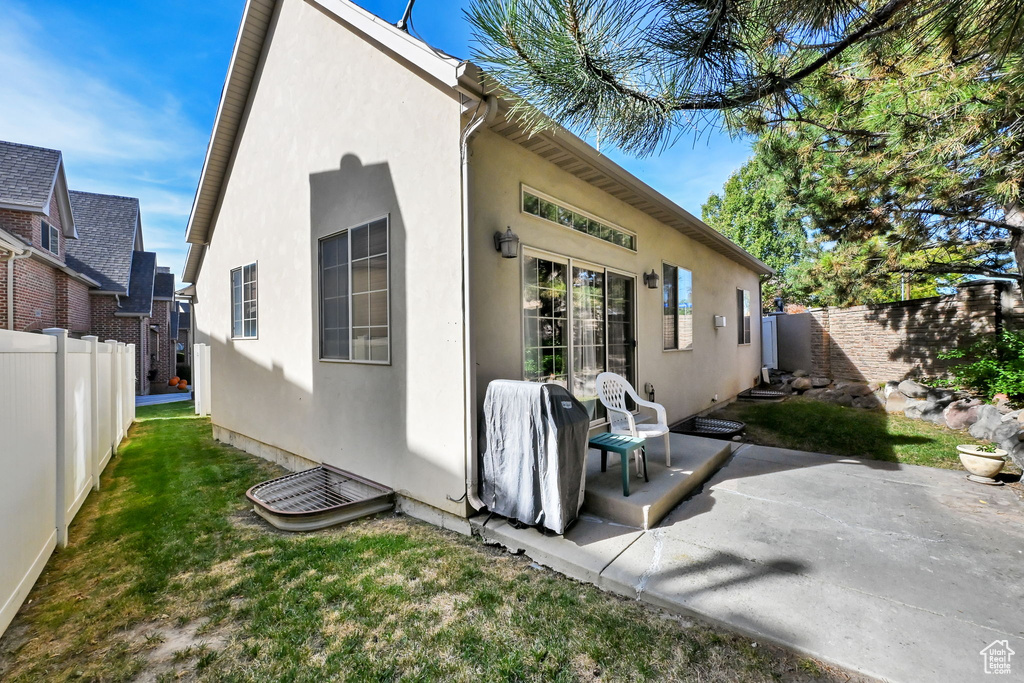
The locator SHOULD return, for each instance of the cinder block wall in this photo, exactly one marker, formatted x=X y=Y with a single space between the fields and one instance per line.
x=904 y=339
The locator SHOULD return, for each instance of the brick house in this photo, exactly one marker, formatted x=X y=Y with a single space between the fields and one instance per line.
x=38 y=288
x=110 y=250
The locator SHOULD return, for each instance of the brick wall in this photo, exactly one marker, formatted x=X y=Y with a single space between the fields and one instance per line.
x=163 y=354
x=904 y=339
x=73 y=304
x=35 y=295
x=106 y=325
x=20 y=223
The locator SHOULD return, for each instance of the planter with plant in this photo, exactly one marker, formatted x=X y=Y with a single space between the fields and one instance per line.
x=983 y=462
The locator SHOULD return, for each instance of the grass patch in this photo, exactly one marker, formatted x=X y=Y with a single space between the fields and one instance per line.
x=170 y=574
x=807 y=425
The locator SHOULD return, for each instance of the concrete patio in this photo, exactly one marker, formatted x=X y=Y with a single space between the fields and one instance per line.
x=895 y=571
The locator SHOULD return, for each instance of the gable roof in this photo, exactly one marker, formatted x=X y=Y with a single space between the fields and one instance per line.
x=28 y=177
x=106 y=238
x=163 y=287
x=140 y=291
x=558 y=146
x=185 y=317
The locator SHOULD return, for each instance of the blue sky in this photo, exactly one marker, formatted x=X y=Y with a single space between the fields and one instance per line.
x=128 y=91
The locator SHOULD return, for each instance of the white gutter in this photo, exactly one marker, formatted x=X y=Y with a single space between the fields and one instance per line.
x=490 y=103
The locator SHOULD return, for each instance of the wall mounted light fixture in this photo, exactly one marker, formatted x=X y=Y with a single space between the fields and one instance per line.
x=507 y=243
x=651 y=279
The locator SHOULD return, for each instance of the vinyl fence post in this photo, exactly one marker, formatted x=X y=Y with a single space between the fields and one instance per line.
x=129 y=385
x=207 y=389
x=197 y=378
x=61 y=432
x=94 y=417
x=115 y=397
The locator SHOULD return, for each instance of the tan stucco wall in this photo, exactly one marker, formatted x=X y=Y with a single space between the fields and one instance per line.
x=685 y=381
x=338 y=134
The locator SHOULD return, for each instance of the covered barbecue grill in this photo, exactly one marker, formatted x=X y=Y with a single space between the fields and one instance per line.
x=533 y=453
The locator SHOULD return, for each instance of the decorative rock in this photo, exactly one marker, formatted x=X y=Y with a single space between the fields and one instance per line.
x=858 y=390
x=820 y=381
x=961 y=414
x=800 y=373
x=1020 y=418
x=814 y=393
x=896 y=403
x=869 y=402
x=912 y=389
x=1015 y=415
x=802 y=384
x=890 y=388
x=991 y=427
x=843 y=399
x=1017 y=454
x=939 y=394
x=924 y=410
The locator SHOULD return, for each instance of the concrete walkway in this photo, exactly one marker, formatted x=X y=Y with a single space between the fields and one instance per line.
x=156 y=399
x=899 y=572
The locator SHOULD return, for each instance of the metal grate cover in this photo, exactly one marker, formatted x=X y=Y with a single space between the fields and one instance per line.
x=759 y=394
x=709 y=426
x=317 y=498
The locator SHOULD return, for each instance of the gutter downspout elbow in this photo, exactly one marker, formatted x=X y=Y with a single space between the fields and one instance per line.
x=490 y=104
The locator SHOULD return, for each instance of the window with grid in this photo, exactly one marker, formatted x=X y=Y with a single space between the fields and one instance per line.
x=354 y=305
x=243 y=302
x=743 y=315
x=50 y=237
x=677 y=302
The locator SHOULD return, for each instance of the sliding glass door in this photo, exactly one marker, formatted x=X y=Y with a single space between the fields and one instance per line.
x=578 y=321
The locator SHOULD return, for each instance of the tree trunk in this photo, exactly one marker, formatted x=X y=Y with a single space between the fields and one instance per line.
x=1015 y=217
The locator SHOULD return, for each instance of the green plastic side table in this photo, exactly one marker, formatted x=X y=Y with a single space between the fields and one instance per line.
x=624 y=446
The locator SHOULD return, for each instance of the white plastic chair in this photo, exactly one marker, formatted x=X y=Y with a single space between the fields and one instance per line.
x=612 y=391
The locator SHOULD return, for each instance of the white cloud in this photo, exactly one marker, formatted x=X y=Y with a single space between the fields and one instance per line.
x=113 y=140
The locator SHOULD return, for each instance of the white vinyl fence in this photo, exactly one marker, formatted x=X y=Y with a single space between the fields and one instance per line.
x=201 y=378
x=65 y=406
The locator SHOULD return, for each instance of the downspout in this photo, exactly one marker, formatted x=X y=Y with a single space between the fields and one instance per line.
x=490 y=104
x=11 y=258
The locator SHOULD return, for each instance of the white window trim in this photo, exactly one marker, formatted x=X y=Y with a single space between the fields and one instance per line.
x=570 y=263
x=693 y=343
x=524 y=188
x=52 y=237
x=739 y=318
x=232 y=302
x=319 y=299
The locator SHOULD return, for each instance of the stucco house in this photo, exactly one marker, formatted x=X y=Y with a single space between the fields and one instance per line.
x=374 y=240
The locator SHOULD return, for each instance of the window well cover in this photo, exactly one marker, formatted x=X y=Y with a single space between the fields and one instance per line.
x=318 y=498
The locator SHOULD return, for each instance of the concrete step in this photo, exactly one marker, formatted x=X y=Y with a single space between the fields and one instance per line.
x=694 y=460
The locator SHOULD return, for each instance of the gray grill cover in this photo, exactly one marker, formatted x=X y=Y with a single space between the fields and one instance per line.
x=534 y=445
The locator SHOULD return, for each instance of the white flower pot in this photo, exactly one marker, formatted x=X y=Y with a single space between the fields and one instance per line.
x=980 y=464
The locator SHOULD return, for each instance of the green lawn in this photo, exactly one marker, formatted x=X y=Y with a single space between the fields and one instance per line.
x=169 y=575
x=807 y=425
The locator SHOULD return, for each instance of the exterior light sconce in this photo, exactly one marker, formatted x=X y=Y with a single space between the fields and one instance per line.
x=651 y=279
x=507 y=243
x=719 y=321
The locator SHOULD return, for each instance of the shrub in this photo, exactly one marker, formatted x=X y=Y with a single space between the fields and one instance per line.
x=991 y=365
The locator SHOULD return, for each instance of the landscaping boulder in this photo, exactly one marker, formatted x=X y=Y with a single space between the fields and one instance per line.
x=896 y=402
x=819 y=382
x=1015 y=448
x=961 y=414
x=815 y=393
x=925 y=410
x=800 y=373
x=869 y=402
x=940 y=394
x=912 y=389
x=890 y=388
x=990 y=425
x=802 y=384
x=842 y=399
x=858 y=390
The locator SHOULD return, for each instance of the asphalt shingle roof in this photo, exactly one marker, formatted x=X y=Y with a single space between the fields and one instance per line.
x=185 y=319
x=27 y=174
x=106 y=238
x=164 y=286
x=140 y=291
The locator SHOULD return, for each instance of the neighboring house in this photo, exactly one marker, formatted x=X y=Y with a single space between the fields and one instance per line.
x=38 y=287
x=343 y=255
x=184 y=334
x=110 y=250
x=162 y=333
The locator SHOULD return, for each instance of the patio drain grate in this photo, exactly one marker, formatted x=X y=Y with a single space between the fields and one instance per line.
x=709 y=426
x=762 y=395
x=318 y=498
